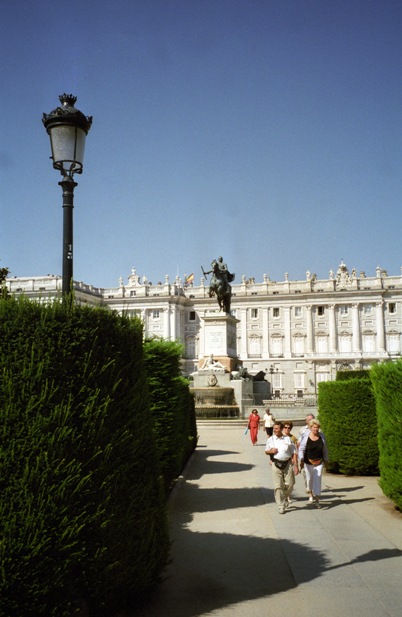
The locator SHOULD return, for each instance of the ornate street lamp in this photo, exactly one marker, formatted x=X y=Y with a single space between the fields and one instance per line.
x=67 y=128
x=272 y=370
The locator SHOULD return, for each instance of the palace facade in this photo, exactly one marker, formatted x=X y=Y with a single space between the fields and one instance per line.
x=298 y=333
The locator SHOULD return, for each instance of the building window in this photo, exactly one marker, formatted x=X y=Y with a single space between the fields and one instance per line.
x=320 y=310
x=369 y=342
x=254 y=346
x=393 y=343
x=322 y=377
x=392 y=308
x=191 y=316
x=299 y=380
x=344 y=310
x=277 y=346
x=298 y=345
x=134 y=313
x=345 y=343
x=322 y=344
x=367 y=309
x=132 y=293
x=254 y=313
x=277 y=380
x=155 y=314
x=275 y=312
x=298 y=311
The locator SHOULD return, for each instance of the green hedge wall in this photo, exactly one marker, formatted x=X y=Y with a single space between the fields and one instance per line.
x=387 y=386
x=172 y=408
x=82 y=516
x=345 y=375
x=348 y=418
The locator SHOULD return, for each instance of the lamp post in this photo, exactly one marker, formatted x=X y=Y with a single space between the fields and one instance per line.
x=67 y=128
x=272 y=370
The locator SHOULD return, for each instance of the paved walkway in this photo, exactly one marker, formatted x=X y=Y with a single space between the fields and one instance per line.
x=234 y=555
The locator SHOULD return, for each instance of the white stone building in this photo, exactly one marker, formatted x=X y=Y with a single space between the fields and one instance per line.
x=297 y=332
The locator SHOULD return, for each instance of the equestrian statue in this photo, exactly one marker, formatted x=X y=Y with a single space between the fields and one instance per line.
x=219 y=285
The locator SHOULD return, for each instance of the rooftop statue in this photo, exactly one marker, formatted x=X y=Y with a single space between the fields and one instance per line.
x=219 y=285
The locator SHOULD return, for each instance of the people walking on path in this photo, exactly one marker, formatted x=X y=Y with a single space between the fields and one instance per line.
x=313 y=453
x=269 y=422
x=305 y=429
x=254 y=426
x=283 y=455
x=287 y=427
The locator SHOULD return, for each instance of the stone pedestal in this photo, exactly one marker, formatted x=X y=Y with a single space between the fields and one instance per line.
x=220 y=341
x=216 y=394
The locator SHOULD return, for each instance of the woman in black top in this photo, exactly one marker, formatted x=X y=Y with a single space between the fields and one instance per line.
x=314 y=453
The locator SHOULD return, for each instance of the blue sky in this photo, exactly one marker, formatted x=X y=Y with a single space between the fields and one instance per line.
x=265 y=131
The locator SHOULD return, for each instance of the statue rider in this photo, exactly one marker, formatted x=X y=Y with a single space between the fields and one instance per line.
x=220 y=283
x=223 y=269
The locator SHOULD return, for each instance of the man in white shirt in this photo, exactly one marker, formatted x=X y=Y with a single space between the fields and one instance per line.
x=283 y=455
x=305 y=429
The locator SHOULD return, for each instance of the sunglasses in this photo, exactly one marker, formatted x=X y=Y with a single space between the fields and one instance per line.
x=289 y=427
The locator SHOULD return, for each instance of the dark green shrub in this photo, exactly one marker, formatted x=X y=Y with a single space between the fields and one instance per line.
x=172 y=407
x=345 y=375
x=387 y=386
x=348 y=418
x=82 y=513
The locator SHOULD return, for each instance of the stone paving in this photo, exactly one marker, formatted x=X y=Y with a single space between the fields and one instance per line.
x=234 y=555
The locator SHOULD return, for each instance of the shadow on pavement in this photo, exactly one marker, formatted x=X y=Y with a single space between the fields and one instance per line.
x=212 y=570
x=214 y=499
x=339 y=501
x=374 y=555
x=236 y=569
x=206 y=464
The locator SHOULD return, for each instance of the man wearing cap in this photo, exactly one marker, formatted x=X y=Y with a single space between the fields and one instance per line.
x=283 y=455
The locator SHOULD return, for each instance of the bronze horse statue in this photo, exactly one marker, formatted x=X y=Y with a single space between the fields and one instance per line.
x=219 y=286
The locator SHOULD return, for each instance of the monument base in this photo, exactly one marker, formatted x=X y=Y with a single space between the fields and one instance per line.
x=220 y=340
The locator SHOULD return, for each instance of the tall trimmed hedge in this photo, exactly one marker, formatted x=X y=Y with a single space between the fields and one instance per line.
x=387 y=386
x=348 y=418
x=82 y=517
x=172 y=407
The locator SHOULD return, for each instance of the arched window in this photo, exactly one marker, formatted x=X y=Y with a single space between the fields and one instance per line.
x=321 y=341
x=368 y=340
x=298 y=345
x=277 y=345
x=393 y=342
x=345 y=342
x=254 y=345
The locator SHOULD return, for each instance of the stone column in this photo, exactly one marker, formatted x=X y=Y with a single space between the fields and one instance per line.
x=332 y=329
x=380 y=326
x=309 y=325
x=173 y=324
x=286 y=318
x=243 y=333
x=201 y=339
x=166 y=324
x=265 y=333
x=356 y=344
